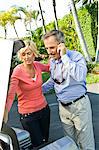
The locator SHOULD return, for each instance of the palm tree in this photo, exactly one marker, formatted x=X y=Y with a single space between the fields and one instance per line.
x=12 y=22
x=55 y=15
x=8 y=17
x=41 y=12
x=79 y=31
x=13 y=18
x=35 y=15
x=30 y=15
x=4 y=21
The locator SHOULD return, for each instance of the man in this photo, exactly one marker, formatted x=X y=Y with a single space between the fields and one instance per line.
x=68 y=77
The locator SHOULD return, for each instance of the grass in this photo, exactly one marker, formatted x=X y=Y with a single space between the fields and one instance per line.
x=92 y=78
x=45 y=76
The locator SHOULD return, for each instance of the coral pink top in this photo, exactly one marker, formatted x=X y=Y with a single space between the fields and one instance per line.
x=29 y=91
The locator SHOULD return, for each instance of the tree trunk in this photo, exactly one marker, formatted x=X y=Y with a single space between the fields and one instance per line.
x=15 y=31
x=25 y=25
x=55 y=15
x=97 y=50
x=41 y=12
x=79 y=31
x=30 y=29
x=5 y=32
x=36 y=23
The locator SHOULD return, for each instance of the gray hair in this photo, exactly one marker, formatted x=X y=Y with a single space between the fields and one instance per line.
x=57 y=34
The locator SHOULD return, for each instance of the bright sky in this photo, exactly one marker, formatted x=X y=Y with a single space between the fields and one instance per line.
x=46 y=6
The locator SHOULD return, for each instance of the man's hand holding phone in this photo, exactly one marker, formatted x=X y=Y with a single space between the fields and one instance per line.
x=61 y=49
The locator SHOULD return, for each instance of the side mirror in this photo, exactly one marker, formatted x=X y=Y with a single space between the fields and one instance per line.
x=5 y=142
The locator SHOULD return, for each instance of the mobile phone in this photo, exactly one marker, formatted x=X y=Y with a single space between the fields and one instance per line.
x=59 y=51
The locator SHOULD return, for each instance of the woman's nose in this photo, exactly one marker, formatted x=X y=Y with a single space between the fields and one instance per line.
x=49 y=50
x=26 y=55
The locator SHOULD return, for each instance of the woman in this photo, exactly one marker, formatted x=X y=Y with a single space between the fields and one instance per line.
x=26 y=82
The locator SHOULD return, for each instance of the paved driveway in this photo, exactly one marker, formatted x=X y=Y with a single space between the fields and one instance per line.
x=56 y=130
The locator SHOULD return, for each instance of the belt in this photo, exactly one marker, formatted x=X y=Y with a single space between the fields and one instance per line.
x=34 y=113
x=72 y=101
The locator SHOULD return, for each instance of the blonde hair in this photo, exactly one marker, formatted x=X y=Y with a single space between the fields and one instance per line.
x=28 y=44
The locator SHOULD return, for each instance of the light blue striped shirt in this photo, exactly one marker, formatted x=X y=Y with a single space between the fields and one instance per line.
x=72 y=68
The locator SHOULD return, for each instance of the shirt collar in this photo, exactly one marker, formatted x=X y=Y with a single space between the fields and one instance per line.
x=56 y=61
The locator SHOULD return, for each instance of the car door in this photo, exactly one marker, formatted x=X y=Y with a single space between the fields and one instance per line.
x=6 y=48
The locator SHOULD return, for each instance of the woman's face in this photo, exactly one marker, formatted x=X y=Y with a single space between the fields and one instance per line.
x=28 y=56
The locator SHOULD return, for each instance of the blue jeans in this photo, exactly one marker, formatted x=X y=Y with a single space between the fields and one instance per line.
x=37 y=124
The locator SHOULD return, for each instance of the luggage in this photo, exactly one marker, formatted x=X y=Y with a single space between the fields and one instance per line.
x=65 y=143
x=23 y=138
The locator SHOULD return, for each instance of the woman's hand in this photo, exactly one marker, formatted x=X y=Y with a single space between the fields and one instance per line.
x=5 y=117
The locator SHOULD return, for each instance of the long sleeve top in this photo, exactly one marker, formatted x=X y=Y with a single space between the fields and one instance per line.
x=70 y=71
x=28 y=90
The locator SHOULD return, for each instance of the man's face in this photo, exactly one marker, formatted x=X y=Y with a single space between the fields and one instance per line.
x=51 y=46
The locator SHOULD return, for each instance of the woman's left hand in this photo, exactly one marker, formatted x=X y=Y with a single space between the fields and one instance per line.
x=5 y=117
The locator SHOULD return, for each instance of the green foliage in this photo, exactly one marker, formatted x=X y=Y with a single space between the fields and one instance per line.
x=67 y=26
x=50 y=26
x=92 y=78
x=45 y=76
x=88 y=20
x=93 y=11
x=86 y=25
x=44 y=61
x=92 y=67
x=37 y=38
x=87 y=16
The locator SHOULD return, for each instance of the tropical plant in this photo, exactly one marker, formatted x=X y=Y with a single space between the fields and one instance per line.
x=79 y=31
x=28 y=17
x=35 y=15
x=43 y=21
x=14 y=17
x=4 y=17
x=97 y=49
